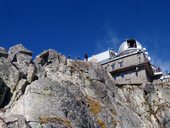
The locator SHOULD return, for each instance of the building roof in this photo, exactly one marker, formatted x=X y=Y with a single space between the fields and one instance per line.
x=118 y=57
x=100 y=57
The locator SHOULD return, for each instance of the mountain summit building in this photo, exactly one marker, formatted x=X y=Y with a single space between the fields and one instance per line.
x=131 y=65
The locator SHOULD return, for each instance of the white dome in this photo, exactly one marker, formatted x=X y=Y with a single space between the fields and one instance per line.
x=130 y=45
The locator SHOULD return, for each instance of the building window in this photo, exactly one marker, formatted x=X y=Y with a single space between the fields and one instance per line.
x=121 y=64
x=122 y=75
x=113 y=66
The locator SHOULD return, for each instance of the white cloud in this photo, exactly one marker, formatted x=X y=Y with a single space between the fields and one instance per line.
x=109 y=40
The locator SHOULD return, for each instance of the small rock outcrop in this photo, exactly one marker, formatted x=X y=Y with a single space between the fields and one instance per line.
x=53 y=91
x=3 y=52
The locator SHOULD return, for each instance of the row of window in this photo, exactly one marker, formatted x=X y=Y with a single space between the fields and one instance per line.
x=120 y=65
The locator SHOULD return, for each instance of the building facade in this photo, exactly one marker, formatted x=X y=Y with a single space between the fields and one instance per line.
x=131 y=65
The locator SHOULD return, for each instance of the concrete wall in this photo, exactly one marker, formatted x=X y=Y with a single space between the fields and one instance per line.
x=128 y=76
x=126 y=61
x=132 y=76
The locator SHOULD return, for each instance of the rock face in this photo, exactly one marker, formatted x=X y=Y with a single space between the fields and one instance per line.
x=55 y=92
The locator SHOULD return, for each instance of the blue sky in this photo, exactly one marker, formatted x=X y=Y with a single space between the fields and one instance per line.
x=78 y=26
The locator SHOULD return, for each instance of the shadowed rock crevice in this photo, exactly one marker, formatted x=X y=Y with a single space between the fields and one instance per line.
x=5 y=94
x=7 y=98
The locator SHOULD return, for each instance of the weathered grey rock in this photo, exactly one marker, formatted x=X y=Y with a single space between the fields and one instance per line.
x=3 y=52
x=2 y=124
x=163 y=115
x=50 y=56
x=133 y=96
x=167 y=124
x=46 y=56
x=58 y=92
x=154 y=121
x=9 y=73
x=149 y=88
x=63 y=104
x=15 y=121
x=20 y=57
x=51 y=64
x=19 y=91
x=22 y=62
x=40 y=71
x=19 y=48
x=8 y=120
x=31 y=73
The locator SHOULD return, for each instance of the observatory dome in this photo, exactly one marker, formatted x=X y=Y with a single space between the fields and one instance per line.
x=129 y=46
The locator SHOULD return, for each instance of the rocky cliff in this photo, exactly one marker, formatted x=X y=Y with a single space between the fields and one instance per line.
x=52 y=91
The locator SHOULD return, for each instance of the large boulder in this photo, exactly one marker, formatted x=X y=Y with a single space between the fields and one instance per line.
x=19 y=48
x=50 y=61
x=46 y=57
x=9 y=73
x=49 y=103
x=20 y=57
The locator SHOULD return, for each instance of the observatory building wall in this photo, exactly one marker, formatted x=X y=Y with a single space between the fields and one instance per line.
x=128 y=68
x=131 y=76
x=120 y=63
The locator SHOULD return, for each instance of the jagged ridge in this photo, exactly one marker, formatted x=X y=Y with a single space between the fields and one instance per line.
x=53 y=91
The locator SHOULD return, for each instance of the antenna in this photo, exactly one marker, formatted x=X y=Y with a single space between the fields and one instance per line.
x=149 y=58
x=146 y=53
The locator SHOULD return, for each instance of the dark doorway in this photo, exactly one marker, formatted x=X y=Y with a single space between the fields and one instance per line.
x=131 y=43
